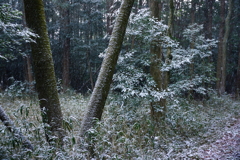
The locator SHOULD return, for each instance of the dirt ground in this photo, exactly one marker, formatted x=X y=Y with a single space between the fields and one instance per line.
x=227 y=147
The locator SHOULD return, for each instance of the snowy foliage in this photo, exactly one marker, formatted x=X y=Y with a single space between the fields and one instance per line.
x=148 y=30
x=190 y=66
x=12 y=34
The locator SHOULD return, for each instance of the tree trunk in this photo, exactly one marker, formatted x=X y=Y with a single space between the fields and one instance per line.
x=44 y=71
x=29 y=75
x=27 y=58
x=222 y=47
x=158 y=108
x=102 y=86
x=169 y=50
x=109 y=13
x=89 y=68
x=16 y=133
x=140 y=4
x=220 y=44
x=193 y=11
x=192 y=45
x=238 y=75
x=65 y=42
x=209 y=18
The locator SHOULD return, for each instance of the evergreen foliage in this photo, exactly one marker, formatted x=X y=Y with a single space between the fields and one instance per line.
x=133 y=78
x=12 y=34
x=196 y=120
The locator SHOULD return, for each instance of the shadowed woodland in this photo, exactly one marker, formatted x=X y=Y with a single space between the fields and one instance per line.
x=110 y=79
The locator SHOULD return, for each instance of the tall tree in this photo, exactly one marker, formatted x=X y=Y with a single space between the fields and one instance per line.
x=192 y=45
x=109 y=17
x=44 y=71
x=238 y=74
x=222 y=46
x=158 y=108
x=65 y=41
x=208 y=12
x=87 y=32
x=102 y=86
x=220 y=72
x=169 y=49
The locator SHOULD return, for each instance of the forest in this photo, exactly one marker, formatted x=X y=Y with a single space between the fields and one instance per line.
x=119 y=79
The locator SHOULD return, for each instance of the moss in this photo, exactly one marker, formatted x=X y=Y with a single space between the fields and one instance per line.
x=43 y=68
x=100 y=93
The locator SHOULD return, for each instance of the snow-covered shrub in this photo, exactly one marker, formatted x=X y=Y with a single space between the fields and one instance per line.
x=12 y=32
x=190 y=67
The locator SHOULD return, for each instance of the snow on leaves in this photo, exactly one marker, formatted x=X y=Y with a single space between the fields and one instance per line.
x=12 y=34
x=133 y=78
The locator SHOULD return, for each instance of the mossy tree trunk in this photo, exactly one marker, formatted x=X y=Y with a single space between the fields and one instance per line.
x=102 y=86
x=44 y=71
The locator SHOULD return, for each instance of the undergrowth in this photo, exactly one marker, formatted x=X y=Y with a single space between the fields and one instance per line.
x=125 y=132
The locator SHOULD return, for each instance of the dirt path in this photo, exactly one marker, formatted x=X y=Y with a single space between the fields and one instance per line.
x=227 y=147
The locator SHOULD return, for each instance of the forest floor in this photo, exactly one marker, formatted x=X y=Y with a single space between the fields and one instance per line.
x=226 y=147
x=196 y=130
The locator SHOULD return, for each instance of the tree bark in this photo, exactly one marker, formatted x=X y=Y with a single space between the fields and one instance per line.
x=109 y=3
x=193 y=11
x=158 y=108
x=65 y=42
x=209 y=18
x=220 y=44
x=169 y=50
x=222 y=48
x=29 y=75
x=44 y=72
x=102 y=86
x=238 y=74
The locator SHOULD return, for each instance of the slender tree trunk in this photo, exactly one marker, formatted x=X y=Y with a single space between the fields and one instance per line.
x=29 y=74
x=90 y=68
x=192 y=45
x=220 y=44
x=109 y=3
x=140 y=4
x=28 y=71
x=169 y=50
x=102 y=86
x=16 y=133
x=209 y=18
x=65 y=41
x=193 y=11
x=158 y=108
x=238 y=75
x=222 y=47
x=44 y=71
